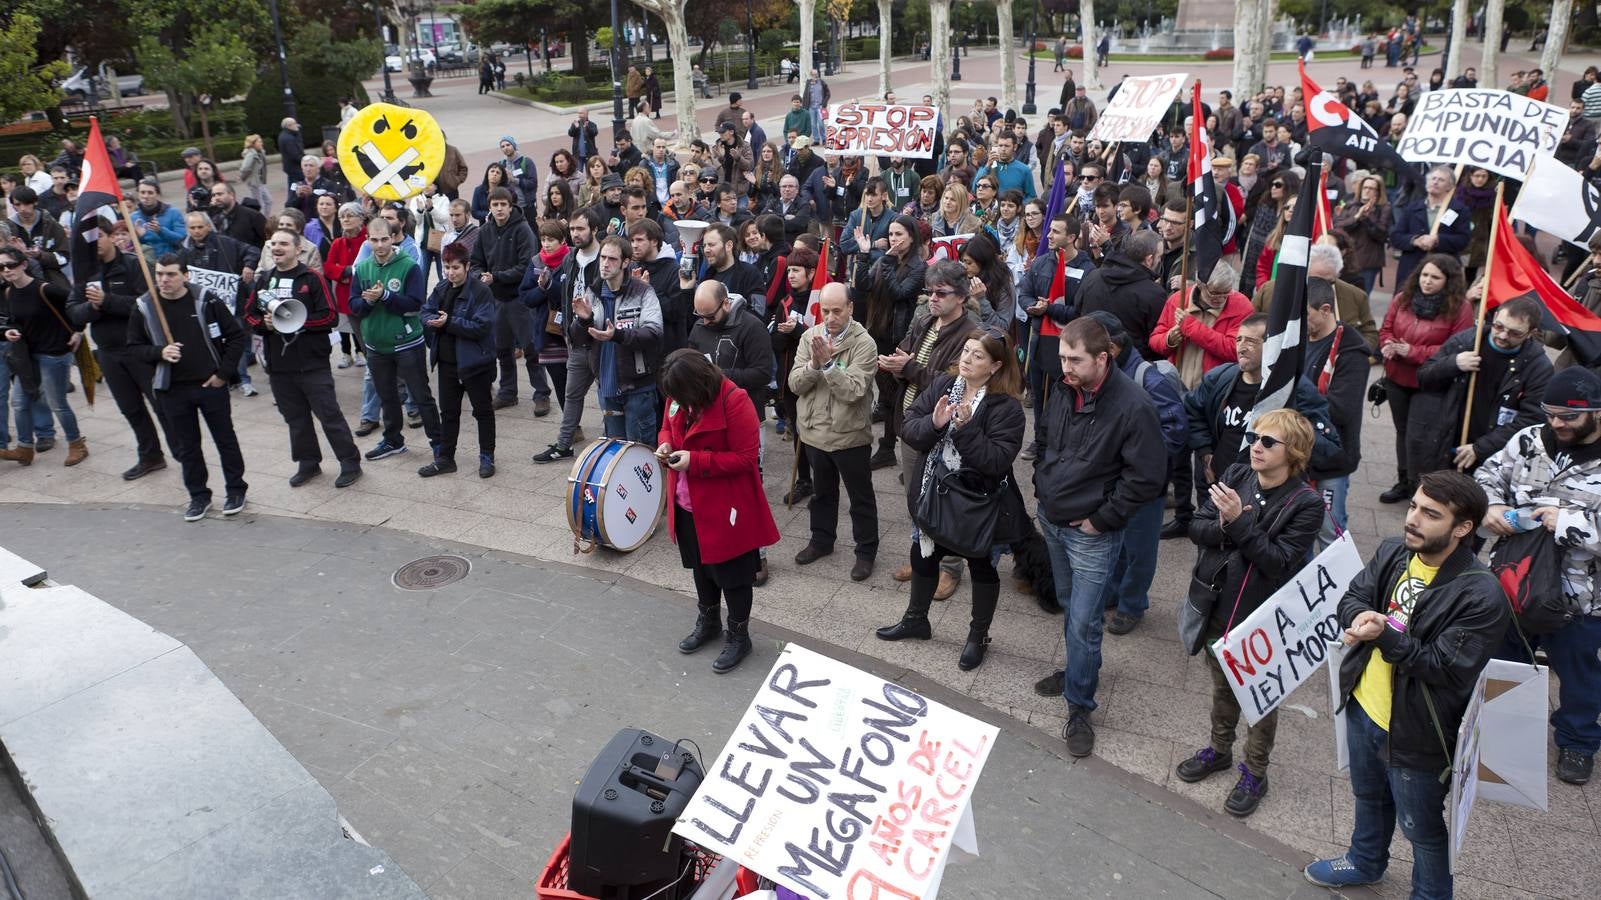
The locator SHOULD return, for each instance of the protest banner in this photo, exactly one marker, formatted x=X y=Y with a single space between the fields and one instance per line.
x=1496 y=130
x=1559 y=200
x=224 y=284
x=1465 y=772
x=948 y=247
x=879 y=129
x=1280 y=645
x=1139 y=105
x=839 y=784
x=1513 y=746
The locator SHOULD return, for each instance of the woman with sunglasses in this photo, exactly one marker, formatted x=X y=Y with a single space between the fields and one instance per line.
x=969 y=422
x=1253 y=532
x=1281 y=187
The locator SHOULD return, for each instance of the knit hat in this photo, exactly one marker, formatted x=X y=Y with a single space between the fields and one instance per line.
x=508 y=139
x=1574 y=389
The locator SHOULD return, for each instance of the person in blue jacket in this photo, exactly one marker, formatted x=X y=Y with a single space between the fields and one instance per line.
x=1414 y=222
x=161 y=228
x=459 y=324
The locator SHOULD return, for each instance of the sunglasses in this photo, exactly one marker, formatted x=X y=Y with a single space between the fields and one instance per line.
x=1563 y=416
x=1278 y=184
x=7 y=267
x=1267 y=441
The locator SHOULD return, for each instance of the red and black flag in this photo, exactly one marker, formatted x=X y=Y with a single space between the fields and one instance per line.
x=99 y=202
x=1332 y=127
x=1207 y=224
x=1284 y=349
x=1514 y=273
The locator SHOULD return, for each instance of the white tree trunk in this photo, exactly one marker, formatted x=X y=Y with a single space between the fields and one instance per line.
x=1493 y=19
x=1459 y=40
x=939 y=55
x=1251 y=24
x=671 y=12
x=1092 y=72
x=886 y=26
x=1556 y=38
x=1003 y=18
x=808 y=36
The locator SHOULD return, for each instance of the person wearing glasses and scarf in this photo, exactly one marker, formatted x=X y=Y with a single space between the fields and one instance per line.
x=969 y=421
x=1258 y=522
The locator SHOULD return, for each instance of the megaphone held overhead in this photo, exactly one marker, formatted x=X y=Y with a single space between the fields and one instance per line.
x=690 y=231
x=286 y=314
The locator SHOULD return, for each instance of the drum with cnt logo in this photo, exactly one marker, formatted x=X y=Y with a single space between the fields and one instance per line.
x=618 y=493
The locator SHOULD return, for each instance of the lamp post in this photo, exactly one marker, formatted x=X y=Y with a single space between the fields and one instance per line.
x=283 y=61
x=1028 y=90
x=389 y=88
x=750 y=47
x=617 y=124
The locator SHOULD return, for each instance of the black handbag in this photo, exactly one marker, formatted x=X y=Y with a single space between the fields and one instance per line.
x=1529 y=568
x=958 y=514
x=1206 y=587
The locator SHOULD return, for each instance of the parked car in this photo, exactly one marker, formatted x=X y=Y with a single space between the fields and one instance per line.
x=395 y=63
x=456 y=56
x=77 y=85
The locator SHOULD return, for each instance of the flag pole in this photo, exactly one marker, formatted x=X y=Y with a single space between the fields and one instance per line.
x=1184 y=254
x=1484 y=299
x=144 y=267
x=1434 y=227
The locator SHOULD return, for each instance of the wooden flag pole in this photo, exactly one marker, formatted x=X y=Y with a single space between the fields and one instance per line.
x=1184 y=254
x=1484 y=299
x=1434 y=227
x=144 y=267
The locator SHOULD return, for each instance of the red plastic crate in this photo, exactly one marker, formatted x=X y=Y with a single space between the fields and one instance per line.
x=552 y=884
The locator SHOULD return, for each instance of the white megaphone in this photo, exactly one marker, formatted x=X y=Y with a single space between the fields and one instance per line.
x=286 y=314
x=690 y=231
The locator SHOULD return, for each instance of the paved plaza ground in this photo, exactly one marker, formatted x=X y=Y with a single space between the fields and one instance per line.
x=423 y=713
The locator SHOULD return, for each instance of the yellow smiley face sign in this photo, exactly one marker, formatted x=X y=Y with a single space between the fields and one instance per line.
x=391 y=152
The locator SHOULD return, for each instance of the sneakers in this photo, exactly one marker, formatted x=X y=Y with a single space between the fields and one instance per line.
x=361 y=361
x=553 y=453
x=1078 y=733
x=1336 y=873
x=1247 y=793
x=437 y=467
x=541 y=407
x=305 y=473
x=1121 y=622
x=248 y=389
x=1204 y=764
x=1029 y=452
x=486 y=466
x=1052 y=685
x=811 y=553
x=197 y=510
x=366 y=427
x=233 y=504
x=348 y=477
x=344 y=360
x=385 y=449
x=1573 y=766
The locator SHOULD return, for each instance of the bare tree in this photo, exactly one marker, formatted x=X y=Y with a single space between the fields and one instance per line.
x=1493 y=19
x=1459 y=40
x=671 y=12
x=1556 y=38
x=1003 y=18
x=939 y=54
x=1092 y=71
x=886 y=26
x=1251 y=23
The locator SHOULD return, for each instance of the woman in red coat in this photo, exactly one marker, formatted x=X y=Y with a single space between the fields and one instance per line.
x=337 y=267
x=1428 y=309
x=711 y=444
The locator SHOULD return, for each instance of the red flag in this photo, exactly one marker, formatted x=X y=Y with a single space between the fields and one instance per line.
x=1206 y=225
x=99 y=198
x=1048 y=326
x=1332 y=127
x=1324 y=214
x=814 y=305
x=1514 y=273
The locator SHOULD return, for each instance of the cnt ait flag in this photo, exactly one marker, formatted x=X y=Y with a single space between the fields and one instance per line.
x=1559 y=200
x=1332 y=127
x=99 y=201
x=1284 y=349
x=1206 y=222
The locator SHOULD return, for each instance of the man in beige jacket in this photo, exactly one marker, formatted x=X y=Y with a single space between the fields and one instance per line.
x=833 y=383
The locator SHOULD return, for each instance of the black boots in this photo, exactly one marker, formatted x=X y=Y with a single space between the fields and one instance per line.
x=914 y=624
x=1399 y=492
x=735 y=648
x=708 y=628
x=986 y=596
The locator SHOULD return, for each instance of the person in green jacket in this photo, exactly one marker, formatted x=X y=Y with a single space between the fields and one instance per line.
x=386 y=299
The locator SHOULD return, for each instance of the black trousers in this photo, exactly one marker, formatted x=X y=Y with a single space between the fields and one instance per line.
x=478 y=388
x=1400 y=402
x=557 y=373
x=182 y=407
x=851 y=466
x=302 y=395
x=129 y=382
x=1189 y=482
x=389 y=370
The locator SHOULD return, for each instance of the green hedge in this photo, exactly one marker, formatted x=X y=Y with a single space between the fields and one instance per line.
x=151 y=135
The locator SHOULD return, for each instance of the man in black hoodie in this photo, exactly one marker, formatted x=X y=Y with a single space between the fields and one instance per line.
x=1125 y=285
x=499 y=259
x=572 y=278
x=1337 y=362
x=733 y=338
x=655 y=262
x=234 y=219
x=103 y=300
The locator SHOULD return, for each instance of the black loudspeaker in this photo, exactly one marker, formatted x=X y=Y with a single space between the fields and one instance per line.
x=622 y=842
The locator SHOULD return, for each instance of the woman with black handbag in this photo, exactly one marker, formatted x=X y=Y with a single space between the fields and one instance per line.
x=970 y=423
x=1254 y=531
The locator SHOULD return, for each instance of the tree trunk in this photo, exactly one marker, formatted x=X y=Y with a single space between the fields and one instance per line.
x=808 y=37
x=1493 y=23
x=1459 y=40
x=1003 y=17
x=672 y=16
x=578 y=46
x=205 y=131
x=1556 y=38
x=178 y=105
x=1250 y=47
x=1092 y=72
x=886 y=25
x=939 y=55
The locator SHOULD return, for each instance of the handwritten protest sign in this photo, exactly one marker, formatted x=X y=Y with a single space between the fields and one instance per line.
x=224 y=284
x=948 y=247
x=1284 y=642
x=879 y=129
x=1496 y=130
x=1139 y=105
x=839 y=784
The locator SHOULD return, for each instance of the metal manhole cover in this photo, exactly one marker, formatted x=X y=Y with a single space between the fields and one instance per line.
x=431 y=572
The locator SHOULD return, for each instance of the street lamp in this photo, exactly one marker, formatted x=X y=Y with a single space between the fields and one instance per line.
x=617 y=124
x=283 y=63
x=750 y=47
x=1028 y=91
x=389 y=89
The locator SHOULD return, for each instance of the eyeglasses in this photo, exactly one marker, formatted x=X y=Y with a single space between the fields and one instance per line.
x=7 y=267
x=1267 y=441
x=1178 y=222
x=1511 y=334
x=945 y=292
x=1563 y=416
x=1089 y=178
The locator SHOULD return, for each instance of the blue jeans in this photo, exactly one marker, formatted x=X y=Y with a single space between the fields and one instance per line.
x=1082 y=566
x=41 y=412
x=1334 y=491
x=1575 y=656
x=33 y=418
x=1385 y=794
x=817 y=124
x=245 y=359
x=371 y=408
x=631 y=416
x=1136 y=564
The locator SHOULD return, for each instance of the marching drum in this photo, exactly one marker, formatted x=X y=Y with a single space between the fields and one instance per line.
x=619 y=489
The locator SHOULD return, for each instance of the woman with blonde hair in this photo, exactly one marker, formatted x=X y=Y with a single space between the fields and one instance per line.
x=34 y=174
x=955 y=214
x=253 y=172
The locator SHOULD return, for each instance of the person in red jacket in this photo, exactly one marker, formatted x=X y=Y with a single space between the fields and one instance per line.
x=718 y=514
x=1428 y=309
x=337 y=267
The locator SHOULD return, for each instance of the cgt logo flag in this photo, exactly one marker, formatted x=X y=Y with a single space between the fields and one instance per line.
x=814 y=303
x=99 y=198
x=1332 y=127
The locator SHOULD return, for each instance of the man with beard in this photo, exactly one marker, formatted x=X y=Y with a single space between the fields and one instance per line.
x=1551 y=473
x=636 y=208
x=226 y=267
x=234 y=219
x=720 y=262
x=1421 y=621
x=653 y=261
x=571 y=279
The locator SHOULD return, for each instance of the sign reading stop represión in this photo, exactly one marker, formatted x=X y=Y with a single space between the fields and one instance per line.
x=879 y=129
